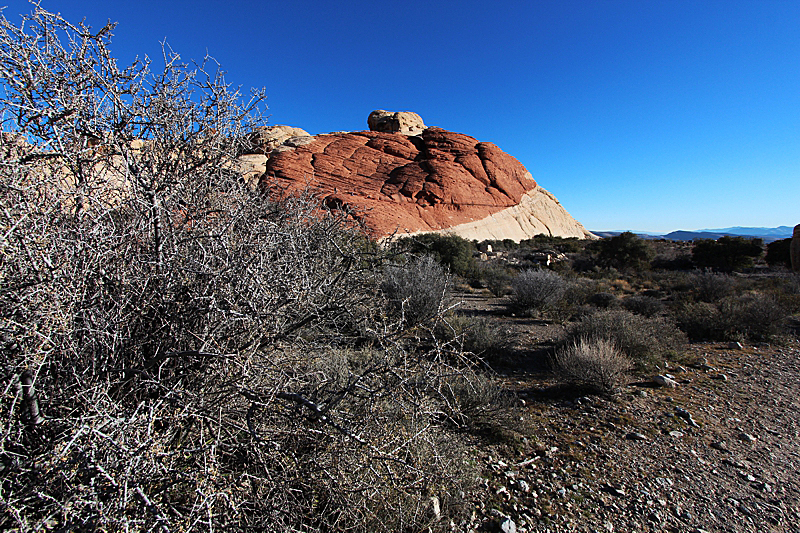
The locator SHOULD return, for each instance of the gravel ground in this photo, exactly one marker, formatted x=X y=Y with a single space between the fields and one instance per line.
x=719 y=453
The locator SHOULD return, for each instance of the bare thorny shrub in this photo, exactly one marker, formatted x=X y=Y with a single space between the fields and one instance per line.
x=176 y=346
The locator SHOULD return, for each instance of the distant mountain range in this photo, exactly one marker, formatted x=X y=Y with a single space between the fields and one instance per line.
x=767 y=234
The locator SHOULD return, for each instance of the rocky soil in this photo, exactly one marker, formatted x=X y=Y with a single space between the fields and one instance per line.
x=719 y=453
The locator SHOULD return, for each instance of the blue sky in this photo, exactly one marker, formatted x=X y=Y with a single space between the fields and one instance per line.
x=643 y=115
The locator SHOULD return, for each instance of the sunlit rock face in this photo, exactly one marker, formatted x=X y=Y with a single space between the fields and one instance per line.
x=434 y=181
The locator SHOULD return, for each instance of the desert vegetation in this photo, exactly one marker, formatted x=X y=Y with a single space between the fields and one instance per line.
x=183 y=351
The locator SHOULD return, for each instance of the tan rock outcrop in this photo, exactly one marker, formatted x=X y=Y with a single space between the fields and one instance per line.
x=404 y=122
x=266 y=138
x=795 y=249
x=538 y=212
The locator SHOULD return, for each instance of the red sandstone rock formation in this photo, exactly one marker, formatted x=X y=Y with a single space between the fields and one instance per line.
x=397 y=183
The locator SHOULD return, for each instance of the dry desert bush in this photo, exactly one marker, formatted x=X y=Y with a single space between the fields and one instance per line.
x=178 y=349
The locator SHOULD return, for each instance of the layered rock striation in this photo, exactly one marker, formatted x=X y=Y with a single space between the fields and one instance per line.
x=399 y=182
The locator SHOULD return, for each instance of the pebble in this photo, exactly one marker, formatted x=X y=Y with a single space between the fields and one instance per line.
x=635 y=436
x=676 y=434
x=748 y=477
x=719 y=445
x=508 y=526
x=686 y=415
x=735 y=464
x=665 y=381
x=746 y=437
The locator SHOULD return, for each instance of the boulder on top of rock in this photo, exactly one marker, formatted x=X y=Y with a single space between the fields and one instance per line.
x=404 y=122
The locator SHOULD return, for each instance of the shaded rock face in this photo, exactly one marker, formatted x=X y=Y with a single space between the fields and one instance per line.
x=404 y=122
x=795 y=249
x=436 y=181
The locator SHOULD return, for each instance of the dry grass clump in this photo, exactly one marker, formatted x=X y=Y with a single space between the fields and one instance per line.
x=644 y=340
x=591 y=363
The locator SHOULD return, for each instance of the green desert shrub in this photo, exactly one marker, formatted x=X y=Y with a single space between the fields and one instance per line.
x=417 y=290
x=726 y=253
x=644 y=305
x=451 y=251
x=537 y=290
x=625 y=252
x=756 y=317
x=709 y=286
x=778 y=253
x=496 y=278
x=644 y=340
x=591 y=363
x=700 y=320
x=604 y=300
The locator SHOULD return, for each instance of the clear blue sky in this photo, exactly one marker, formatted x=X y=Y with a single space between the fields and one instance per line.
x=644 y=115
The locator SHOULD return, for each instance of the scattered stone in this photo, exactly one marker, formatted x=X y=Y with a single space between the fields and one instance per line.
x=665 y=381
x=735 y=464
x=508 y=526
x=721 y=377
x=636 y=436
x=676 y=434
x=435 y=508
x=614 y=491
x=523 y=485
x=746 y=437
x=702 y=364
x=734 y=345
x=748 y=477
x=686 y=415
x=719 y=445
x=766 y=487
